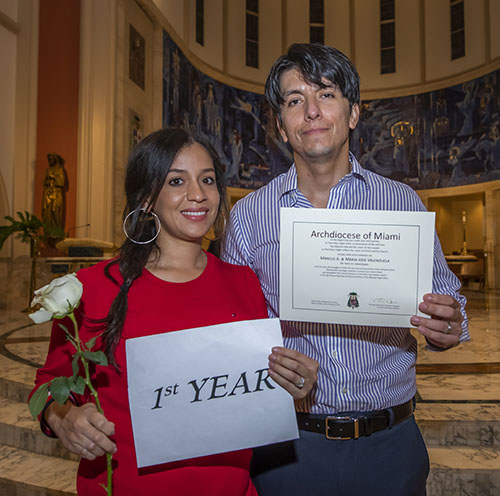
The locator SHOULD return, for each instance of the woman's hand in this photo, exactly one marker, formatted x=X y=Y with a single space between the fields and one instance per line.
x=81 y=429
x=294 y=371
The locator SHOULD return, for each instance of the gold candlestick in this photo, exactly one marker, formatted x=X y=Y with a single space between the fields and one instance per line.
x=464 y=227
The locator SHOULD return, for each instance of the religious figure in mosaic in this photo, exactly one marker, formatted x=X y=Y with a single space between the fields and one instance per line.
x=401 y=132
x=210 y=109
x=236 y=154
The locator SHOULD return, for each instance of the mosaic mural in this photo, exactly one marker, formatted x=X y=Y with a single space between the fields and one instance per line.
x=237 y=123
x=441 y=138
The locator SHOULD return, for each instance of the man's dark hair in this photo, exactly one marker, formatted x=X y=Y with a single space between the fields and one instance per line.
x=314 y=62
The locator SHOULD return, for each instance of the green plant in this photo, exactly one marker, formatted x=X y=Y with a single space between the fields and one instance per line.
x=29 y=228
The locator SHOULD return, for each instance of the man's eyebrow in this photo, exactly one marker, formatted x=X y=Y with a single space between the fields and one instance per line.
x=292 y=92
x=324 y=84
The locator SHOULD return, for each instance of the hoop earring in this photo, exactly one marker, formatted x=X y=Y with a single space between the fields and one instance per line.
x=157 y=223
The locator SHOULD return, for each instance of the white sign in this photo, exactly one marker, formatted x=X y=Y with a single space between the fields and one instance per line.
x=358 y=267
x=203 y=391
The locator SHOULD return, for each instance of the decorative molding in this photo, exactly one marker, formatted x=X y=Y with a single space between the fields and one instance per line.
x=431 y=85
x=26 y=112
x=225 y=56
x=242 y=84
x=96 y=119
x=284 y=26
x=157 y=75
x=422 y=41
x=464 y=190
x=352 y=31
x=366 y=93
x=487 y=31
x=9 y=23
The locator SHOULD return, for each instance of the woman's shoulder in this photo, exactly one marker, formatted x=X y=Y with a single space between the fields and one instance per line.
x=229 y=270
x=100 y=273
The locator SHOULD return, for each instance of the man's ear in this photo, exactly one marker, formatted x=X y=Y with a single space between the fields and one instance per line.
x=354 y=117
x=281 y=130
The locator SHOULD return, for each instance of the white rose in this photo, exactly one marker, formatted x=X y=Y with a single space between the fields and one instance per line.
x=58 y=299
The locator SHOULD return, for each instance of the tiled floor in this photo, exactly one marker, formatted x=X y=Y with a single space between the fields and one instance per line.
x=467 y=372
x=471 y=371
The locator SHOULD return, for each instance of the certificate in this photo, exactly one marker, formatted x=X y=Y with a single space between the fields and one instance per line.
x=203 y=391
x=359 y=267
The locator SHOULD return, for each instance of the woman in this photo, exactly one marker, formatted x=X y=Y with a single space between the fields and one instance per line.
x=162 y=281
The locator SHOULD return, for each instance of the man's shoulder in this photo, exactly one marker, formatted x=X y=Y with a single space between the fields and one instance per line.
x=378 y=181
x=264 y=196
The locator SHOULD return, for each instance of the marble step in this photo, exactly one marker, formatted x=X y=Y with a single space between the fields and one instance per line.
x=459 y=424
x=457 y=471
x=464 y=471
x=15 y=390
x=19 y=430
x=28 y=474
x=25 y=348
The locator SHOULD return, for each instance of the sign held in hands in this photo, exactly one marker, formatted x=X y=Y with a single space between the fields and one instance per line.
x=207 y=390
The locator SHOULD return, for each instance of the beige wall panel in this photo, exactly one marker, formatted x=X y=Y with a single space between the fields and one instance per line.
x=26 y=111
x=337 y=25
x=141 y=100
x=270 y=39
x=212 y=53
x=449 y=222
x=132 y=99
x=8 y=42
x=98 y=80
x=173 y=10
x=9 y=8
x=297 y=22
x=494 y=21
x=367 y=45
x=438 y=39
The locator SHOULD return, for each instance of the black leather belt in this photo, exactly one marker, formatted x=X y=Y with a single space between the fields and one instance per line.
x=356 y=425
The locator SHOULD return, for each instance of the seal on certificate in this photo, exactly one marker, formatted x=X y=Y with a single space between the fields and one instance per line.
x=353 y=301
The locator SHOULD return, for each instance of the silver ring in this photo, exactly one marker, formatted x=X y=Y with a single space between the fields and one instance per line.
x=448 y=330
x=300 y=384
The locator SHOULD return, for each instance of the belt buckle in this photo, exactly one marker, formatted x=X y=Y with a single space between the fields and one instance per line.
x=333 y=417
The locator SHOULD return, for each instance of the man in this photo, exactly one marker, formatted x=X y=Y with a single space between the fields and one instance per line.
x=366 y=377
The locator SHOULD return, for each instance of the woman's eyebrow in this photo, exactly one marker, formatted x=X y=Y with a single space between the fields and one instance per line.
x=184 y=171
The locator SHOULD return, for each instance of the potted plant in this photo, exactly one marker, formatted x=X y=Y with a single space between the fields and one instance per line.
x=30 y=229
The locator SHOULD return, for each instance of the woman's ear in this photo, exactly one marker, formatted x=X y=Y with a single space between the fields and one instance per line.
x=147 y=206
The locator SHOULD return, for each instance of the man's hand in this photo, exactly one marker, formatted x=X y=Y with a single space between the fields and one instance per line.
x=294 y=371
x=444 y=326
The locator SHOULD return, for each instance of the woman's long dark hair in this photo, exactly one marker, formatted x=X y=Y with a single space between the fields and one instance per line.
x=147 y=170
